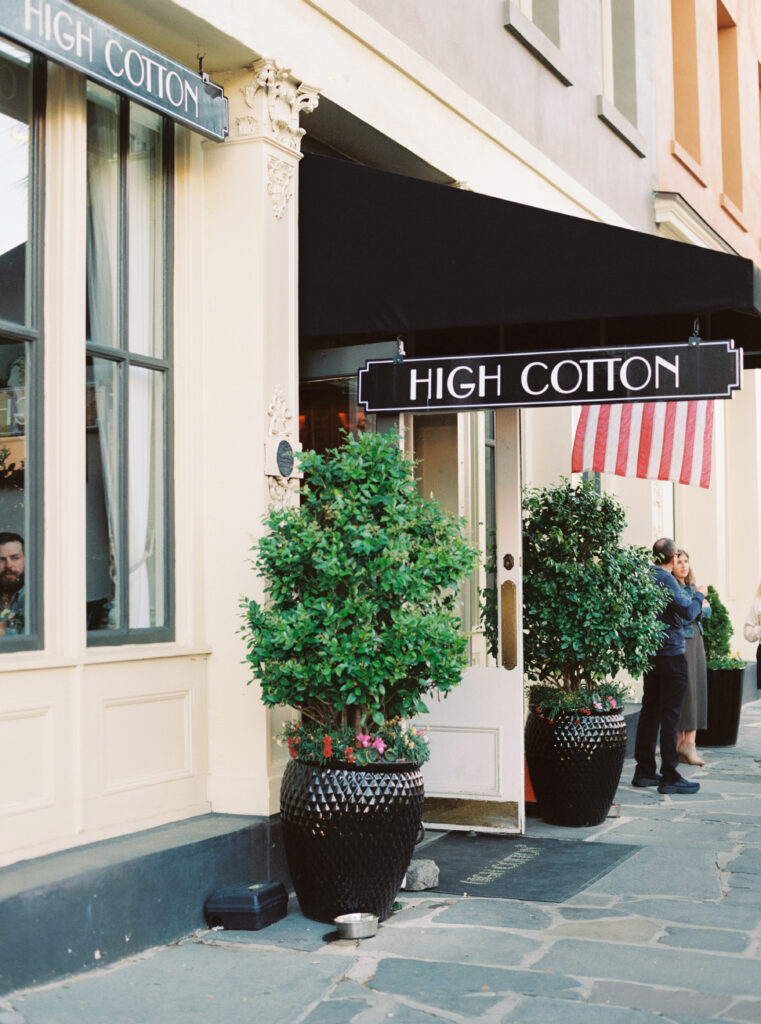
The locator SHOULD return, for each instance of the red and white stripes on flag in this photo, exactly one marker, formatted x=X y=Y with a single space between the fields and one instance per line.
x=652 y=440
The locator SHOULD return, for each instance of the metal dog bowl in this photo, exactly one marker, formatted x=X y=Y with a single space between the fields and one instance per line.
x=356 y=926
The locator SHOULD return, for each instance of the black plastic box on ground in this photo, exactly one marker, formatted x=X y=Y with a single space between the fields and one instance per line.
x=246 y=907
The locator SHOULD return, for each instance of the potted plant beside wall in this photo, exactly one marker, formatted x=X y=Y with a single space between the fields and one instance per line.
x=724 y=676
x=359 y=624
x=590 y=611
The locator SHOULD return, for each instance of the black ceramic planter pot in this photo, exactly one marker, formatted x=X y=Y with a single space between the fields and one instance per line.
x=725 y=699
x=575 y=765
x=349 y=834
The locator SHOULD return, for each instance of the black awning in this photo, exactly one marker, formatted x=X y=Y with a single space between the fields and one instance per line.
x=380 y=252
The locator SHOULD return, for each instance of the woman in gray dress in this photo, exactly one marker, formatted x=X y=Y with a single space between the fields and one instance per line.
x=695 y=707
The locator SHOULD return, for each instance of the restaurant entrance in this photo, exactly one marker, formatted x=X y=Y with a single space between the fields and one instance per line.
x=470 y=463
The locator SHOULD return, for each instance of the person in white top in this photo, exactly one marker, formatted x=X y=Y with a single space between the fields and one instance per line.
x=752 y=632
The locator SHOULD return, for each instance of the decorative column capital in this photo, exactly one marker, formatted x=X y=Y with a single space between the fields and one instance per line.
x=272 y=102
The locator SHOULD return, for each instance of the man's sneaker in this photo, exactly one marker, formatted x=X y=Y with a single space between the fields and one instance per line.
x=679 y=785
x=647 y=780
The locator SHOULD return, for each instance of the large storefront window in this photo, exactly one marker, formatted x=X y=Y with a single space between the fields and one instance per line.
x=128 y=371
x=20 y=520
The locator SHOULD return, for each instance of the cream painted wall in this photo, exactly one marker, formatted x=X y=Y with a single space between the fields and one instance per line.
x=546 y=442
x=366 y=70
x=250 y=350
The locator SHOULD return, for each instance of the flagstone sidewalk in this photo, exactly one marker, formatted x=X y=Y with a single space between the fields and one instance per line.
x=671 y=933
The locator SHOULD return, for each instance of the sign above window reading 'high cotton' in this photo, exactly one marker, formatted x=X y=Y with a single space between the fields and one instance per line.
x=710 y=369
x=67 y=34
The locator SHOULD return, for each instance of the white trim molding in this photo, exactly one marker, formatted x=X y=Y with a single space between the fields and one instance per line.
x=678 y=220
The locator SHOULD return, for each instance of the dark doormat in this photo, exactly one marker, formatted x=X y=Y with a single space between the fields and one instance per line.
x=519 y=868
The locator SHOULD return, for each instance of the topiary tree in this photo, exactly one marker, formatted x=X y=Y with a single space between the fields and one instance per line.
x=590 y=605
x=360 y=621
x=717 y=632
x=717 y=629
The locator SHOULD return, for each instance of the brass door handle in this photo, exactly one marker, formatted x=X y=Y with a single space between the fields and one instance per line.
x=509 y=624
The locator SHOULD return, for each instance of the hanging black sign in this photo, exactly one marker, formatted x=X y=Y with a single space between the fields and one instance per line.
x=71 y=36
x=710 y=369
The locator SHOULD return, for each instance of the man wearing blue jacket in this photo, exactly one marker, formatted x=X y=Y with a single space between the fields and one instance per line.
x=666 y=682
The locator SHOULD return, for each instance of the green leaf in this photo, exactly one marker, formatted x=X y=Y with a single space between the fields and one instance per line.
x=360 y=580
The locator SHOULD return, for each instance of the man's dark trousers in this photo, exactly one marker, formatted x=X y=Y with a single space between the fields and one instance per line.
x=663 y=692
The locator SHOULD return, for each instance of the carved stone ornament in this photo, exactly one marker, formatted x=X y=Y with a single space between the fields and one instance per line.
x=276 y=102
x=279 y=414
x=279 y=179
x=283 y=489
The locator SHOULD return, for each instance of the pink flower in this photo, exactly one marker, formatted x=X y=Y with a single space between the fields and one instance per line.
x=363 y=739
x=612 y=702
x=379 y=744
x=596 y=704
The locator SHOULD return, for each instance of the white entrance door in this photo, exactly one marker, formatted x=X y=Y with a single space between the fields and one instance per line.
x=470 y=462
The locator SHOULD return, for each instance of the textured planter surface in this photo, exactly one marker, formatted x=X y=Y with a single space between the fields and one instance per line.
x=349 y=834
x=575 y=765
x=725 y=698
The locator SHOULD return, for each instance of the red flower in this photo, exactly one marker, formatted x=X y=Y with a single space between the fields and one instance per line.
x=327 y=747
x=349 y=754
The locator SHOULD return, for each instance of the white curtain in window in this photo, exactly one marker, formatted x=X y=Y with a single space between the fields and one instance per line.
x=102 y=245
x=145 y=317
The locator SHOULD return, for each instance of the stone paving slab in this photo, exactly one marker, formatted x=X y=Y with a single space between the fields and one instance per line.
x=542 y=1011
x=191 y=982
x=701 y=972
x=497 y=914
x=659 y=1000
x=456 y=945
x=745 y=1011
x=589 y=913
x=464 y=989
x=739 y=897
x=326 y=1013
x=722 y=941
x=748 y=861
x=742 y=809
x=707 y=913
x=679 y=833
x=412 y=910
x=624 y=929
x=658 y=869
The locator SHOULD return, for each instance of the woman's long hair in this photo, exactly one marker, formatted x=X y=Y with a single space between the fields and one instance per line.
x=689 y=579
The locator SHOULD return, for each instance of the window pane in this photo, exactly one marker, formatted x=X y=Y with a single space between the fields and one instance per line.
x=102 y=215
x=15 y=175
x=103 y=495
x=147 y=465
x=127 y=403
x=14 y=520
x=146 y=233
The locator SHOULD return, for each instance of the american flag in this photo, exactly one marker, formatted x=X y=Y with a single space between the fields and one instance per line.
x=651 y=440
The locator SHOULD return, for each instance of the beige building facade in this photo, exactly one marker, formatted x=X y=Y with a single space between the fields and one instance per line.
x=166 y=264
